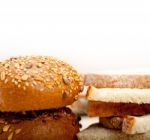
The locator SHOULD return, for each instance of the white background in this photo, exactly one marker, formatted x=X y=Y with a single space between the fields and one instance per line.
x=93 y=36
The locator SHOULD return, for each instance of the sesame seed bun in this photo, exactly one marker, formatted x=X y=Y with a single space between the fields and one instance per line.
x=36 y=83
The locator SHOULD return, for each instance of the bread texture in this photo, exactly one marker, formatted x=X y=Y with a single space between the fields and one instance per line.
x=108 y=109
x=117 y=81
x=96 y=132
x=37 y=82
x=136 y=125
x=128 y=124
x=58 y=124
x=119 y=95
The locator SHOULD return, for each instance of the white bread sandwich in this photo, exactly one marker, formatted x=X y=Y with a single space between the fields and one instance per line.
x=107 y=102
x=122 y=102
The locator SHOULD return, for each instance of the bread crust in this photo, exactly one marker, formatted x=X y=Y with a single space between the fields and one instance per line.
x=37 y=82
x=54 y=125
x=117 y=81
x=107 y=109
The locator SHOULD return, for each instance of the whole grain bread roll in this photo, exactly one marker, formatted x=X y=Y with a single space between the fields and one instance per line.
x=36 y=83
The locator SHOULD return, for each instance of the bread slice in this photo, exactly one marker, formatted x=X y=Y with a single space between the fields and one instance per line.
x=107 y=102
x=104 y=109
x=133 y=125
x=128 y=124
x=96 y=132
x=117 y=81
x=119 y=95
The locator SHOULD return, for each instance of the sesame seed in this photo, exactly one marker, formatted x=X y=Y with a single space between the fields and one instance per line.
x=13 y=80
x=17 y=65
x=36 y=72
x=67 y=80
x=38 y=78
x=34 y=83
x=19 y=85
x=17 y=77
x=76 y=97
x=5 y=128
x=6 y=65
x=17 y=131
x=27 y=84
x=10 y=136
x=11 y=75
x=27 y=72
x=6 y=80
x=24 y=88
x=39 y=65
x=16 y=83
x=2 y=75
x=24 y=77
x=49 y=86
x=41 y=89
x=29 y=66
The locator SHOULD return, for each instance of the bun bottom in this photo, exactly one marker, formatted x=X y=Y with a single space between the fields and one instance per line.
x=96 y=132
x=39 y=125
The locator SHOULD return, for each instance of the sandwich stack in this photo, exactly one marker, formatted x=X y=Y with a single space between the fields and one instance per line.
x=122 y=102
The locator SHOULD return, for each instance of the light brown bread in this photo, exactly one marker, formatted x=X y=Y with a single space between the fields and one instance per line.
x=117 y=81
x=37 y=82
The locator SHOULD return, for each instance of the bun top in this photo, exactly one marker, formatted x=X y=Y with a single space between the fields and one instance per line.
x=37 y=82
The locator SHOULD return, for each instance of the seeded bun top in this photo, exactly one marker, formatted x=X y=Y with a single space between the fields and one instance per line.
x=37 y=82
